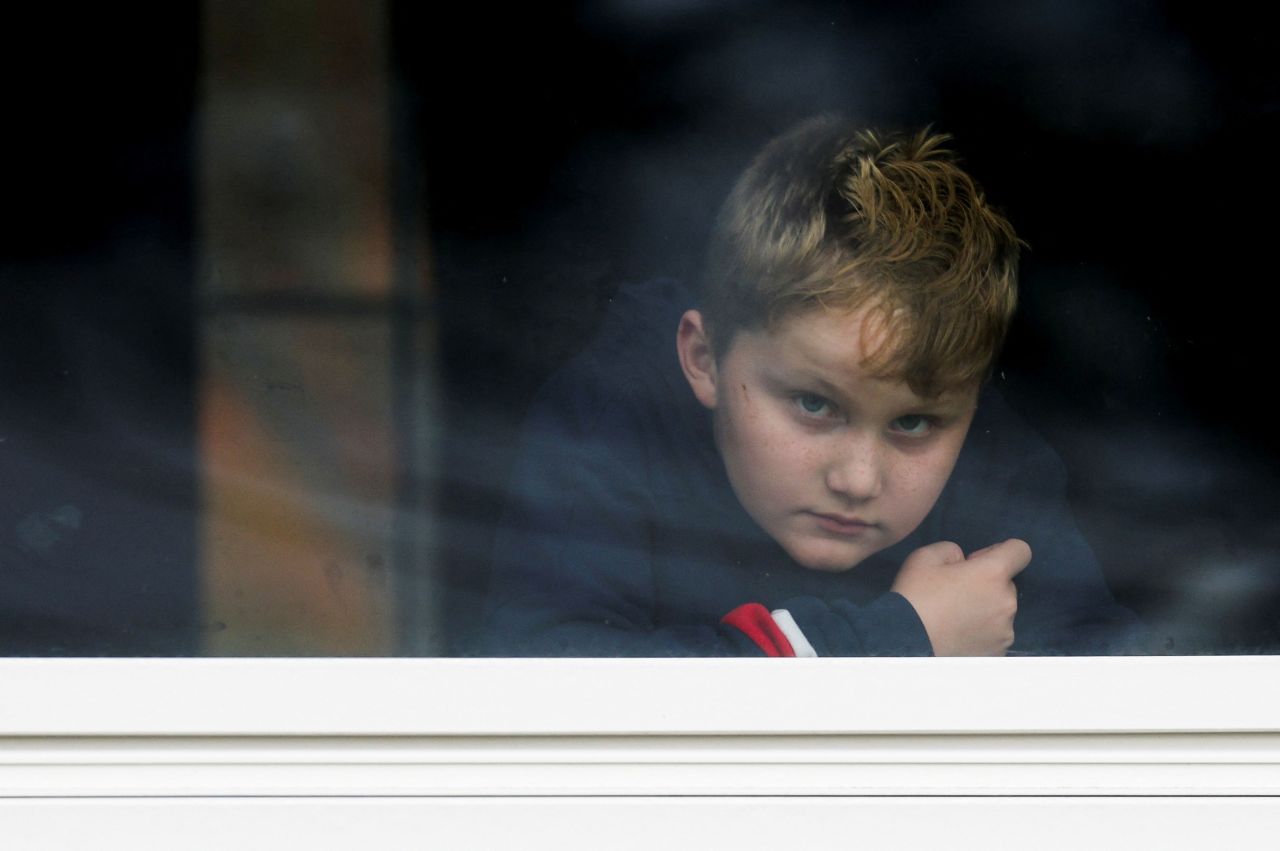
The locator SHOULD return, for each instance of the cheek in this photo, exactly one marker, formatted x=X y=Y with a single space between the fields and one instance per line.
x=763 y=456
x=746 y=431
x=776 y=451
x=924 y=478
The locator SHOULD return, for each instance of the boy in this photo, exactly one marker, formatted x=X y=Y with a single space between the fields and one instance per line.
x=817 y=467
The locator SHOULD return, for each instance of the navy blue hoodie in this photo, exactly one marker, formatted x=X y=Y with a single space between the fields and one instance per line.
x=623 y=537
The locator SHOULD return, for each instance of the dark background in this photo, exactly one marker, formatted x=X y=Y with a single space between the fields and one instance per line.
x=567 y=147
x=97 y=330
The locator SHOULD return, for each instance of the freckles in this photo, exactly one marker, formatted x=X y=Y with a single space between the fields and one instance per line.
x=900 y=473
x=910 y=480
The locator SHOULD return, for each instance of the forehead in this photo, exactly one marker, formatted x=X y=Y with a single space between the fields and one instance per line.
x=842 y=344
x=841 y=339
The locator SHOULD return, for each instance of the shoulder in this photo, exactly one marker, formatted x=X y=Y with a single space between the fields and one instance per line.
x=627 y=366
x=1003 y=446
x=622 y=403
x=1006 y=479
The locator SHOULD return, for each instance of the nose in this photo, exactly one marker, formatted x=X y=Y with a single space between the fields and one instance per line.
x=856 y=468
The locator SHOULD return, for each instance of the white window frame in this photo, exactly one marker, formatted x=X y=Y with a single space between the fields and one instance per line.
x=1187 y=747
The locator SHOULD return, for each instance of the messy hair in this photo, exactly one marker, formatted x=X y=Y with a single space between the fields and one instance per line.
x=836 y=217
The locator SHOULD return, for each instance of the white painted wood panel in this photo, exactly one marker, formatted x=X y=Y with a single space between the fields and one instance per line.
x=643 y=824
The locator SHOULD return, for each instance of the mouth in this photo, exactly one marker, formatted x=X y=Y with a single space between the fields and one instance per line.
x=842 y=524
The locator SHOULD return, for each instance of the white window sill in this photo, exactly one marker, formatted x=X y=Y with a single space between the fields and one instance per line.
x=396 y=741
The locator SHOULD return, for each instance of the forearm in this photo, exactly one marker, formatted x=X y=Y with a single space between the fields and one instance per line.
x=537 y=627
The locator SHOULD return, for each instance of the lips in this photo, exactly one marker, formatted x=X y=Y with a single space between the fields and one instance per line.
x=841 y=524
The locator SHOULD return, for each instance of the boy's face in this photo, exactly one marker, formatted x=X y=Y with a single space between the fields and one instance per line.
x=833 y=463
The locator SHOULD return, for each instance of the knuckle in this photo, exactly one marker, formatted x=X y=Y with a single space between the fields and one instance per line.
x=1010 y=600
x=941 y=552
x=949 y=551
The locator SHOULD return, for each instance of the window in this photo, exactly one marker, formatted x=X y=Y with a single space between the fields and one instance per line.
x=275 y=317
x=280 y=284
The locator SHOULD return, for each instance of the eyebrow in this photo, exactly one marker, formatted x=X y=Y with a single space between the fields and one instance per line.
x=946 y=404
x=800 y=375
x=825 y=386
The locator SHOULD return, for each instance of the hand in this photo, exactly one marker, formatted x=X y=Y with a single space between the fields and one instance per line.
x=966 y=604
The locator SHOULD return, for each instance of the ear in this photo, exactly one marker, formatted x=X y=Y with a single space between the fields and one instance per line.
x=697 y=358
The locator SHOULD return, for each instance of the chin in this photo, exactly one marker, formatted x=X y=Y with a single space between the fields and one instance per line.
x=827 y=559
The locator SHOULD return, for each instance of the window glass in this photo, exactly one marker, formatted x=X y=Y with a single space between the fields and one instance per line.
x=281 y=285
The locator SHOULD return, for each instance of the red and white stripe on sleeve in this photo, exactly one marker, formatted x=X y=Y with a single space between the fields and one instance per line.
x=776 y=632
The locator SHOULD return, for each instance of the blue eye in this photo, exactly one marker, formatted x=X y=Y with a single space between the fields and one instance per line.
x=813 y=405
x=915 y=425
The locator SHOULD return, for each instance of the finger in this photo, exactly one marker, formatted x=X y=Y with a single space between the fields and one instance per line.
x=942 y=552
x=1012 y=556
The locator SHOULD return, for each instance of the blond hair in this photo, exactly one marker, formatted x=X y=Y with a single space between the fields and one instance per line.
x=832 y=216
